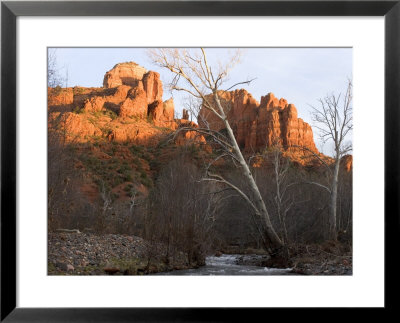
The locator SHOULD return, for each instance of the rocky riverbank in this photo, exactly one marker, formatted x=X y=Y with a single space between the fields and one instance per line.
x=329 y=258
x=76 y=253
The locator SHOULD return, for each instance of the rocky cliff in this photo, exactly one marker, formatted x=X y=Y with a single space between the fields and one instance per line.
x=346 y=163
x=271 y=122
x=129 y=106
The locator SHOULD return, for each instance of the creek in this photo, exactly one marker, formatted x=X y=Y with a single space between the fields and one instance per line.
x=227 y=265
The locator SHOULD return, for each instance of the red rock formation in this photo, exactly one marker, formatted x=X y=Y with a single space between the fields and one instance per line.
x=185 y=114
x=119 y=95
x=94 y=104
x=346 y=163
x=153 y=87
x=162 y=113
x=132 y=93
x=190 y=136
x=257 y=126
x=269 y=101
x=77 y=129
x=138 y=132
x=124 y=74
x=169 y=109
x=59 y=96
x=59 y=99
x=129 y=91
x=135 y=104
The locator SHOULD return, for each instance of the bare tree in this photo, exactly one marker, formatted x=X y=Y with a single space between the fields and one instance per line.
x=282 y=199
x=54 y=77
x=194 y=75
x=333 y=119
x=182 y=214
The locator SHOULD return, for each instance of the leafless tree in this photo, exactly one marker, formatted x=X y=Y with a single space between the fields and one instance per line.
x=282 y=198
x=333 y=119
x=194 y=75
x=54 y=77
x=181 y=213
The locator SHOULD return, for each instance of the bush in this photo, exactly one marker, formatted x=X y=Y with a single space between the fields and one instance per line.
x=111 y=114
x=155 y=164
x=77 y=110
x=146 y=181
x=128 y=178
x=128 y=188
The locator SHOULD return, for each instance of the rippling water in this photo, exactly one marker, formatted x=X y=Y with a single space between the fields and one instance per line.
x=226 y=265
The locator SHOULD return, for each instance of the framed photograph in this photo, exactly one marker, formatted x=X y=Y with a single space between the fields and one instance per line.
x=187 y=160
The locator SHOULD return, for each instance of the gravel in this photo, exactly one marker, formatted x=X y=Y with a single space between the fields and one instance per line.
x=82 y=253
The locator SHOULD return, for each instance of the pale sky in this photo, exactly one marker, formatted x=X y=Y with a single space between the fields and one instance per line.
x=300 y=75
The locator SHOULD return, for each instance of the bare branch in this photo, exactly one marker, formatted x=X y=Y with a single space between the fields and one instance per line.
x=220 y=179
x=239 y=83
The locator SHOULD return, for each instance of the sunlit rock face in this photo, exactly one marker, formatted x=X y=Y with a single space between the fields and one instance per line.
x=129 y=107
x=257 y=126
x=346 y=163
x=124 y=74
x=134 y=94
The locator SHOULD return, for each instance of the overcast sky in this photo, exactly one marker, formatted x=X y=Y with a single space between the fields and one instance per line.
x=300 y=75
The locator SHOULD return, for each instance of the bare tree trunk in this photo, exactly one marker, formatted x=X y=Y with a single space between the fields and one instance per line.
x=270 y=235
x=333 y=204
x=334 y=121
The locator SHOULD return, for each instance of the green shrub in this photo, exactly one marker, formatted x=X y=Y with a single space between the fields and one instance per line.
x=128 y=188
x=78 y=110
x=155 y=164
x=146 y=182
x=111 y=114
x=128 y=178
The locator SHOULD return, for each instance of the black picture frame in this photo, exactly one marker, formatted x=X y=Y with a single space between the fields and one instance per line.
x=10 y=10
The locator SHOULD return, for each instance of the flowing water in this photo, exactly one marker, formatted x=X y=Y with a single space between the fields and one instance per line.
x=227 y=265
